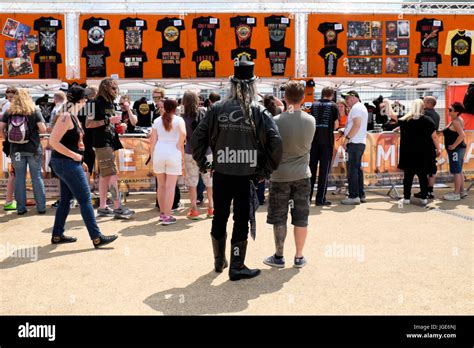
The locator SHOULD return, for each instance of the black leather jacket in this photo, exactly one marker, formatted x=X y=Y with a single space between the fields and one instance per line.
x=268 y=144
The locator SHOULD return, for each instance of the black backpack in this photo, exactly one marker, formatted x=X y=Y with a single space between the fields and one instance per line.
x=469 y=99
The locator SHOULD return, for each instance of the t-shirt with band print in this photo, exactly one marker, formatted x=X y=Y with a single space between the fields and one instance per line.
x=133 y=32
x=206 y=31
x=95 y=52
x=205 y=63
x=278 y=57
x=243 y=26
x=244 y=54
x=330 y=31
x=133 y=62
x=170 y=29
x=171 y=61
x=277 y=26
x=330 y=54
x=429 y=29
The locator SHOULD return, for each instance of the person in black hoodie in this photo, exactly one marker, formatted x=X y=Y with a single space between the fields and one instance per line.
x=246 y=146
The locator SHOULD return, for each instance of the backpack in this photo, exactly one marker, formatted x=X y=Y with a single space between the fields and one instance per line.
x=18 y=129
x=469 y=99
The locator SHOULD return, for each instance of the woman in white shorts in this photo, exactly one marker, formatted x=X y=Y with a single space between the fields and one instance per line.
x=167 y=153
x=192 y=115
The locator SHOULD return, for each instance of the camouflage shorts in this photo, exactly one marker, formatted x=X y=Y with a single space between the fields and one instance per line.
x=293 y=194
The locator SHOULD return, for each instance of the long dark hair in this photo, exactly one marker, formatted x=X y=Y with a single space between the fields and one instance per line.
x=170 y=106
x=190 y=103
x=104 y=91
x=458 y=107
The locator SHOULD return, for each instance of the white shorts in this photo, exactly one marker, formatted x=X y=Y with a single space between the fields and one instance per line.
x=167 y=163
x=192 y=172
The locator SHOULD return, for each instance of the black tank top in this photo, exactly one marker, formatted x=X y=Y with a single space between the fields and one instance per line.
x=450 y=137
x=70 y=140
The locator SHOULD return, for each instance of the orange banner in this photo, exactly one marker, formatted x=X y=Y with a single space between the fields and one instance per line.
x=374 y=45
x=192 y=46
x=33 y=46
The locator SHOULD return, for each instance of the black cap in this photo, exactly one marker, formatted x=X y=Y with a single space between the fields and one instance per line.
x=352 y=93
x=75 y=94
x=244 y=71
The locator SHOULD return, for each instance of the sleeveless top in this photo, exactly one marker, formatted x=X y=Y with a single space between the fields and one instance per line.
x=450 y=137
x=71 y=140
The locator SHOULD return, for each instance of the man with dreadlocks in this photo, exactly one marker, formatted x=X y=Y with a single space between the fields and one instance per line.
x=246 y=147
x=105 y=141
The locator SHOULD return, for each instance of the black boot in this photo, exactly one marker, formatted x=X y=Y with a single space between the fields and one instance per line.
x=238 y=270
x=218 y=246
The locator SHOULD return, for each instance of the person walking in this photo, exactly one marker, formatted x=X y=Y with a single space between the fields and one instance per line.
x=24 y=123
x=167 y=154
x=236 y=125
x=67 y=161
x=291 y=181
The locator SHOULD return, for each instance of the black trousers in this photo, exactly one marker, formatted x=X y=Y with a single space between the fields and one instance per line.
x=228 y=188
x=408 y=182
x=320 y=154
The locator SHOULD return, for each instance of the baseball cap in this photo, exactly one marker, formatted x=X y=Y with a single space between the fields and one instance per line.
x=64 y=87
x=350 y=93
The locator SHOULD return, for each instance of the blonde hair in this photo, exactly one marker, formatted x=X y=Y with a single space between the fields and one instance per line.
x=387 y=108
x=22 y=104
x=61 y=95
x=416 y=111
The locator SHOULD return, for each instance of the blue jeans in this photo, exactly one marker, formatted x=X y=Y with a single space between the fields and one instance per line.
x=19 y=162
x=355 y=176
x=73 y=183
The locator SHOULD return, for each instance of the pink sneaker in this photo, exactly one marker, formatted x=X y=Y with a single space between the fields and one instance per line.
x=168 y=220
x=162 y=216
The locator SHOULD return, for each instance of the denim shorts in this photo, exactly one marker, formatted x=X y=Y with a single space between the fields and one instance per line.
x=456 y=160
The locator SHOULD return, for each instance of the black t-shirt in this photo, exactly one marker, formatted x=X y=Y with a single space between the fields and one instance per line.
x=243 y=29
x=244 y=54
x=105 y=136
x=326 y=113
x=461 y=46
x=428 y=64
x=170 y=29
x=434 y=116
x=205 y=63
x=133 y=62
x=330 y=54
x=48 y=64
x=206 y=31
x=126 y=119
x=330 y=31
x=96 y=60
x=277 y=26
x=429 y=29
x=34 y=145
x=144 y=111
x=133 y=32
x=171 y=60
x=95 y=28
x=278 y=57
x=47 y=28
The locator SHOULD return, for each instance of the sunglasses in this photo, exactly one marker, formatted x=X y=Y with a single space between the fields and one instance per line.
x=114 y=88
x=157 y=97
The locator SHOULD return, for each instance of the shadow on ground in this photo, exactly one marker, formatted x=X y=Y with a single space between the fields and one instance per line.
x=201 y=297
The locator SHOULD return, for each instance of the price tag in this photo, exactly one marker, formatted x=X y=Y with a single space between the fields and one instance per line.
x=213 y=20
x=403 y=52
x=103 y=23
x=285 y=20
x=338 y=26
x=469 y=33
x=436 y=23
x=140 y=23
x=54 y=22
x=307 y=105
x=114 y=76
x=177 y=23
x=251 y=20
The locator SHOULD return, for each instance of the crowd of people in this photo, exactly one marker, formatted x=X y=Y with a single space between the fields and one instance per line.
x=281 y=145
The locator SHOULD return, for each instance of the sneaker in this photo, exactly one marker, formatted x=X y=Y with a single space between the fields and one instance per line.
x=363 y=199
x=452 y=196
x=168 y=220
x=210 y=213
x=274 y=262
x=73 y=203
x=123 y=213
x=321 y=204
x=103 y=240
x=178 y=208
x=463 y=195
x=405 y=201
x=162 y=216
x=424 y=202
x=430 y=195
x=105 y=211
x=62 y=239
x=55 y=204
x=300 y=262
x=351 y=201
x=22 y=212
x=12 y=206
x=193 y=214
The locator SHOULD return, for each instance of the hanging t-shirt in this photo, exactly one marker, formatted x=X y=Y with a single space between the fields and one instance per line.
x=144 y=111
x=133 y=32
x=429 y=29
x=95 y=28
x=277 y=26
x=459 y=46
x=428 y=64
x=278 y=57
x=48 y=64
x=205 y=63
x=47 y=28
x=171 y=61
x=133 y=62
x=330 y=31
x=170 y=29
x=95 y=60
x=243 y=29
x=244 y=54
x=206 y=31
x=330 y=54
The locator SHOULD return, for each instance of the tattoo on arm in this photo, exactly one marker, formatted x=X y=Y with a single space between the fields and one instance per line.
x=280 y=236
